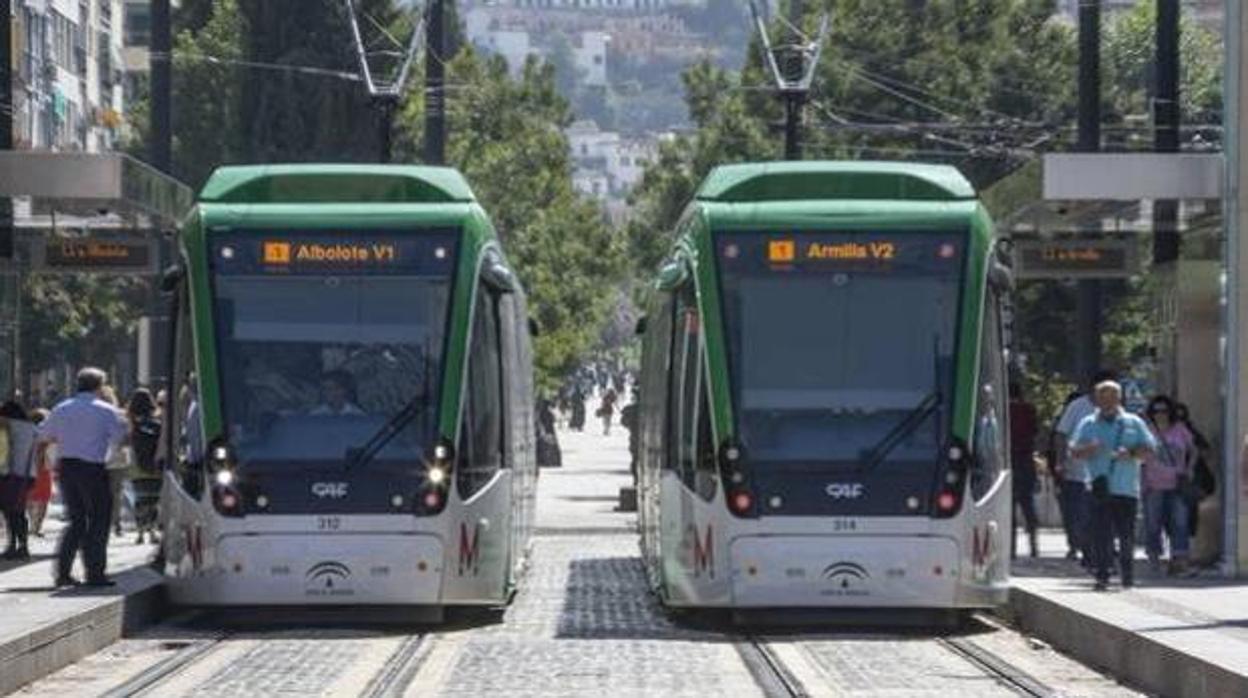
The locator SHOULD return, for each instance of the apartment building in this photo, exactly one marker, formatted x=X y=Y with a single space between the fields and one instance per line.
x=67 y=87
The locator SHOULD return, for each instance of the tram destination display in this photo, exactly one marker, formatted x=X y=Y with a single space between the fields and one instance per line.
x=839 y=251
x=349 y=252
x=1066 y=259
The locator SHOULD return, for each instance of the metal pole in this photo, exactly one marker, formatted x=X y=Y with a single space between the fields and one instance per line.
x=1166 y=126
x=1088 y=300
x=385 y=114
x=7 y=107
x=794 y=100
x=435 y=81
x=160 y=56
x=1235 y=215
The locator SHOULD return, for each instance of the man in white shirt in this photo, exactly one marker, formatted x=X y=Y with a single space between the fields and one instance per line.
x=84 y=428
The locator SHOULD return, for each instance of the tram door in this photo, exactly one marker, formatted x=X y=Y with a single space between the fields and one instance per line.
x=478 y=541
x=656 y=357
x=987 y=541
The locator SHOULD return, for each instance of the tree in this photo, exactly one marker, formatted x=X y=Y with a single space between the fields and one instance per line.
x=506 y=136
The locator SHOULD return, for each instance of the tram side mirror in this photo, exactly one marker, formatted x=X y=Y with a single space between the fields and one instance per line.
x=640 y=329
x=1000 y=276
x=171 y=278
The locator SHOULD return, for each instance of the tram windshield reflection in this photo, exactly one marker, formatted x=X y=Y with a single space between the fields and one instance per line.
x=830 y=351
x=312 y=365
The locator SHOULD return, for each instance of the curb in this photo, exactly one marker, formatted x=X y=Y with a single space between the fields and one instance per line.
x=1138 y=660
x=46 y=649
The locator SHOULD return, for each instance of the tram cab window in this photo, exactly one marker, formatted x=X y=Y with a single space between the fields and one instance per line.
x=990 y=412
x=654 y=388
x=481 y=431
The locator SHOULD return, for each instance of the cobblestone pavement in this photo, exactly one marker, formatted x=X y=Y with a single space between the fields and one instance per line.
x=582 y=624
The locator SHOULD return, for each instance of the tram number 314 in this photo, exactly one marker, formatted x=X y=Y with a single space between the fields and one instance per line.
x=839 y=525
x=328 y=523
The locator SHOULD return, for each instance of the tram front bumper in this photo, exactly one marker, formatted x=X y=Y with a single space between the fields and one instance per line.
x=854 y=571
x=317 y=569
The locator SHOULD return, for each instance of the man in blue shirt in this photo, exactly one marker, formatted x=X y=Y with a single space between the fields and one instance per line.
x=84 y=428
x=1111 y=442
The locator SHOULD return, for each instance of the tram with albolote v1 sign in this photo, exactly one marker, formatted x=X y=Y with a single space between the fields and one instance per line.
x=824 y=394
x=354 y=422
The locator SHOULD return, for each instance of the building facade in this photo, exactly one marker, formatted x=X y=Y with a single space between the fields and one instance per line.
x=67 y=89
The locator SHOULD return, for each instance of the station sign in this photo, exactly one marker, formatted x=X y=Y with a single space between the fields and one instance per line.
x=116 y=254
x=1075 y=259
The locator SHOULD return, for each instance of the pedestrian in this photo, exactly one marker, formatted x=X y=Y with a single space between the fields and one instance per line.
x=1203 y=476
x=145 y=472
x=1073 y=474
x=629 y=419
x=577 y=423
x=19 y=466
x=118 y=466
x=1023 y=427
x=41 y=493
x=606 y=409
x=1112 y=442
x=1167 y=478
x=84 y=428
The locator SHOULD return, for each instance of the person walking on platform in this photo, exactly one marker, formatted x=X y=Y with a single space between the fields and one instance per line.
x=577 y=422
x=1073 y=474
x=1167 y=479
x=117 y=465
x=84 y=428
x=1112 y=441
x=41 y=493
x=1023 y=429
x=145 y=474
x=607 y=410
x=20 y=465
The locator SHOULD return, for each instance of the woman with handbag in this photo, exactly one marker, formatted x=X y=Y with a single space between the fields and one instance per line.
x=1167 y=486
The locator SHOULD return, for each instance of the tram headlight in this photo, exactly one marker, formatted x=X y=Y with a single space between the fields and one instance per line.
x=224 y=477
x=220 y=453
x=436 y=475
x=441 y=452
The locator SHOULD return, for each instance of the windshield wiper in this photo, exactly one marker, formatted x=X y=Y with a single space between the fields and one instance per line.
x=365 y=453
x=913 y=419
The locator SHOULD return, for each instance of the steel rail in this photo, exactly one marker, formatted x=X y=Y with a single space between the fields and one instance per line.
x=157 y=674
x=775 y=679
x=998 y=668
x=400 y=668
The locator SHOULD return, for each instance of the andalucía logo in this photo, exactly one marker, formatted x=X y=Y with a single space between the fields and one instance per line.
x=329 y=578
x=843 y=572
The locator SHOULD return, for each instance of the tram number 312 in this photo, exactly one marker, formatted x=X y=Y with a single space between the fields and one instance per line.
x=328 y=523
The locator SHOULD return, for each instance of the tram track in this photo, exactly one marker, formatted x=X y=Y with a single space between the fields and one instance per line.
x=769 y=672
x=1000 y=669
x=389 y=680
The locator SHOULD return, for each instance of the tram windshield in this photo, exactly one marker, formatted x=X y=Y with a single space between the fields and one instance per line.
x=841 y=344
x=322 y=343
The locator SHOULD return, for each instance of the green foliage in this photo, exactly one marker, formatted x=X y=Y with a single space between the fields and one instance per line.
x=506 y=137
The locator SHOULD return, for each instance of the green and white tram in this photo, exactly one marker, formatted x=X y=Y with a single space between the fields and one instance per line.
x=823 y=394
x=355 y=422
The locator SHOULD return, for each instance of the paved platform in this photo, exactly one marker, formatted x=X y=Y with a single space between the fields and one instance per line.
x=43 y=629
x=1168 y=636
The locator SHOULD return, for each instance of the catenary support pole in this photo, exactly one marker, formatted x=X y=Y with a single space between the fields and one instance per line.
x=1088 y=299
x=161 y=62
x=1234 y=485
x=794 y=99
x=435 y=84
x=1166 y=125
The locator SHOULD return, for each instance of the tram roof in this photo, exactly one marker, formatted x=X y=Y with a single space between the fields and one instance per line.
x=329 y=184
x=834 y=180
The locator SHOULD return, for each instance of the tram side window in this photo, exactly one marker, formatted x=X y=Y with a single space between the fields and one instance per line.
x=705 y=446
x=185 y=425
x=481 y=434
x=990 y=411
x=654 y=395
x=684 y=384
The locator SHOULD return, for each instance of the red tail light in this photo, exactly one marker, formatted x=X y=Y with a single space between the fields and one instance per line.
x=741 y=502
x=227 y=501
x=433 y=500
x=947 y=502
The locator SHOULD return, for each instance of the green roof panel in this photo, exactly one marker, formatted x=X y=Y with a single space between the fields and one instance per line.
x=834 y=179
x=281 y=184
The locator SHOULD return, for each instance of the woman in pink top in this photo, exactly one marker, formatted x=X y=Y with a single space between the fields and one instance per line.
x=1164 y=506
